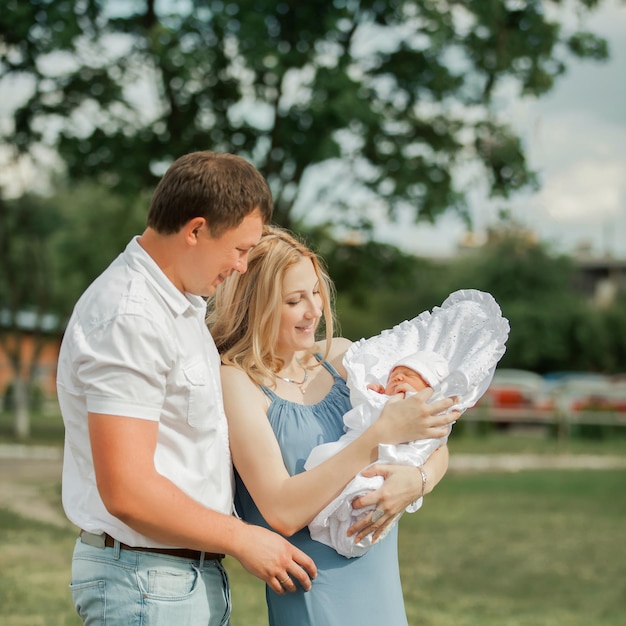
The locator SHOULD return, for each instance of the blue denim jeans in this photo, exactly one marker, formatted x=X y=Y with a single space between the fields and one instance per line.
x=116 y=587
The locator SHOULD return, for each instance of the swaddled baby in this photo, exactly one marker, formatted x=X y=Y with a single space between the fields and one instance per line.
x=454 y=350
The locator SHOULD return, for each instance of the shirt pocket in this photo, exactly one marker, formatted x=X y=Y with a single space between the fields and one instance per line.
x=199 y=396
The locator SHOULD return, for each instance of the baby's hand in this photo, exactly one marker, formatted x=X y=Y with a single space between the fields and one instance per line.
x=401 y=389
x=377 y=388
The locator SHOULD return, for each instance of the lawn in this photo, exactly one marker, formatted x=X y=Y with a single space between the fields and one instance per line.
x=533 y=548
x=526 y=549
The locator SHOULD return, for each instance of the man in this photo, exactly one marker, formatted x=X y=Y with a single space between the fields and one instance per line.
x=147 y=474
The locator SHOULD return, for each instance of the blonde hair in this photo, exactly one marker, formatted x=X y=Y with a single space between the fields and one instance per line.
x=244 y=314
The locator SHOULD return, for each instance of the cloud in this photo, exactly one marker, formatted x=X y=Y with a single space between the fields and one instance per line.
x=575 y=138
x=596 y=89
x=586 y=191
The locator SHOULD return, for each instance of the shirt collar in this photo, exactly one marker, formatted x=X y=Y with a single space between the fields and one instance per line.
x=137 y=258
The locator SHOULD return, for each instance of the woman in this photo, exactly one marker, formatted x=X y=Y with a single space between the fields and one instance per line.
x=285 y=393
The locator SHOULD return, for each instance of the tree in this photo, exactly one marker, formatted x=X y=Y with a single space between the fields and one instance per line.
x=515 y=267
x=374 y=282
x=50 y=249
x=26 y=288
x=94 y=226
x=552 y=326
x=392 y=98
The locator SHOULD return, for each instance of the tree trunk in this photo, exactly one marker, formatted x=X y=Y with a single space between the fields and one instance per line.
x=22 y=412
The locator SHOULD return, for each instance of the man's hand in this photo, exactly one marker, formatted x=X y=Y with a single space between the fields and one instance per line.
x=273 y=559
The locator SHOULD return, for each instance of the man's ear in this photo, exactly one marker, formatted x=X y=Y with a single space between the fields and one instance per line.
x=192 y=229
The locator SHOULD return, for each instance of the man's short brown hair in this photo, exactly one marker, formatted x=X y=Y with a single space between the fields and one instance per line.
x=223 y=188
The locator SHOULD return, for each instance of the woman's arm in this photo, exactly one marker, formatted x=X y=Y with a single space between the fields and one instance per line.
x=290 y=503
x=403 y=485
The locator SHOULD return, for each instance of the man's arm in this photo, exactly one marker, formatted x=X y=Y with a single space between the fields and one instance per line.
x=133 y=491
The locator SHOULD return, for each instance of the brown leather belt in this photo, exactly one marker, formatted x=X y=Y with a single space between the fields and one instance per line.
x=182 y=553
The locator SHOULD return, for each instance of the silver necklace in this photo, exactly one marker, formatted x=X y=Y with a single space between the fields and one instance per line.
x=299 y=383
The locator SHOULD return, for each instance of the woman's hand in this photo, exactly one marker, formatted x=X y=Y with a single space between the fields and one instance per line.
x=403 y=485
x=396 y=493
x=414 y=418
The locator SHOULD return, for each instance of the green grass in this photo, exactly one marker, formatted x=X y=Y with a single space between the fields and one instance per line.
x=35 y=573
x=466 y=438
x=46 y=428
x=534 y=442
x=534 y=548
x=526 y=549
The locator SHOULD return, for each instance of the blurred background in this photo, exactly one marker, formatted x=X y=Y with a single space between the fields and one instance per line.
x=420 y=147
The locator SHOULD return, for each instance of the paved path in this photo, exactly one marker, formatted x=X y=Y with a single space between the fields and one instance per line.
x=29 y=484
x=19 y=451
x=518 y=462
x=458 y=462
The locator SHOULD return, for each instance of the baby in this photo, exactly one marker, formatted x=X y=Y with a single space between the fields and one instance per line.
x=454 y=350
x=414 y=373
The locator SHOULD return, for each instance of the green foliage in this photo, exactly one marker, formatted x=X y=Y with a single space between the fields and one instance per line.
x=552 y=326
x=51 y=248
x=36 y=398
x=614 y=327
x=377 y=284
x=515 y=268
x=26 y=281
x=95 y=226
x=395 y=95
x=27 y=287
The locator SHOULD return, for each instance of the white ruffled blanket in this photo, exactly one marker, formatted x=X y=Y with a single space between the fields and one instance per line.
x=469 y=331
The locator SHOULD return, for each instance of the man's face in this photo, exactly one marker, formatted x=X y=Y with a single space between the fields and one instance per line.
x=216 y=258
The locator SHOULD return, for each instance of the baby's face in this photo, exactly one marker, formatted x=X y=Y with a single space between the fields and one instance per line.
x=403 y=379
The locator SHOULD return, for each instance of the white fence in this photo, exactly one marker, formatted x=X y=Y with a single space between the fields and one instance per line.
x=562 y=419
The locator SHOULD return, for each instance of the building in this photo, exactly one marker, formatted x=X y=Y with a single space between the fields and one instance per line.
x=22 y=334
x=600 y=279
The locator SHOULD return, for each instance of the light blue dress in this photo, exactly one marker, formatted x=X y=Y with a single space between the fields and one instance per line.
x=364 y=590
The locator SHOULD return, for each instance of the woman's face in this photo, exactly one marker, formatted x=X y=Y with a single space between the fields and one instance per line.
x=301 y=307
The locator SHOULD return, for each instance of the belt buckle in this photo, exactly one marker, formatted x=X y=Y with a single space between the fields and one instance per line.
x=91 y=539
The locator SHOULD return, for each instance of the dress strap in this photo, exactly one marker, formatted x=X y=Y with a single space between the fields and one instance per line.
x=333 y=372
x=320 y=358
x=268 y=392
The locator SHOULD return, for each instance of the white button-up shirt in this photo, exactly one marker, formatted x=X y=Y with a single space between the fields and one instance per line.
x=137 y=347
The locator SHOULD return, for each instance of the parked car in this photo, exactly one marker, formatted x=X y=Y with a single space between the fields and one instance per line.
x=587 y=391
x=517 y=389
x=556 y=380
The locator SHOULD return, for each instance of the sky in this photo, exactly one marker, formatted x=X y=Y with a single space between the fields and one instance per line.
x=575 y=139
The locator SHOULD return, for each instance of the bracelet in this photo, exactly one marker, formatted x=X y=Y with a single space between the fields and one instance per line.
x=415 y=505
x=424 y=476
